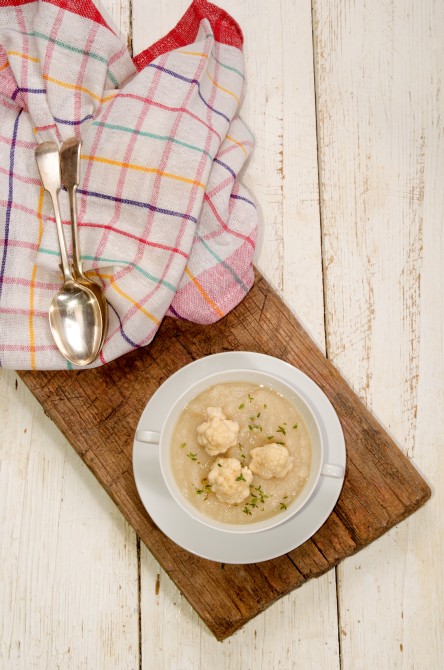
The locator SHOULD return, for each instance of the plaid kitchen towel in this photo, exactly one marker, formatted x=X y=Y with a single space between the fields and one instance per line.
x=165 y=225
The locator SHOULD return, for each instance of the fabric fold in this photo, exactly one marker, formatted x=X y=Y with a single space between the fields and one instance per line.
x=165 y=225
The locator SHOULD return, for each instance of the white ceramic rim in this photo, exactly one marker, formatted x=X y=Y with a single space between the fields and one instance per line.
x=236 y=374
x=206 y=542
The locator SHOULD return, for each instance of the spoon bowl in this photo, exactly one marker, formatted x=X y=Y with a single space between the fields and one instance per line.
x=73 y=312
x=94 y=287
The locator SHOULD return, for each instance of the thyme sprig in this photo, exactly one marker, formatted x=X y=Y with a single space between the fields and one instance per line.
x=260 y=493
x=282 y=505
x=206 y=488
x=257 y=495
x=254 y=426
x=242 y=453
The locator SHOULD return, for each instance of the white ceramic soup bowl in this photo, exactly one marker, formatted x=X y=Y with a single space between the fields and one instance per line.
x=163 y=439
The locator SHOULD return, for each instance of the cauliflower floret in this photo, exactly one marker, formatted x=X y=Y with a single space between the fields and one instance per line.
x=230 y=482
x=217 y=434
x=272 y=460
x=215 y=413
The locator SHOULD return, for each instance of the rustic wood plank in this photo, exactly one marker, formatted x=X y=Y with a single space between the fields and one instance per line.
x=230 y=596
x=69 y=565
x=282 y=174
x=379 y=79
x=66 y=600
x=117 y=13
x=282 y=630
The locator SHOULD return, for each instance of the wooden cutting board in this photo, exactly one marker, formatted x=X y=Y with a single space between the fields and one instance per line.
x=98 y=411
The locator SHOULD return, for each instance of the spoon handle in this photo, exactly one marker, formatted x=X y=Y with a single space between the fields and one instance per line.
x=76 y=262
x=66 y=266
x=70 y=171
x=48 y=163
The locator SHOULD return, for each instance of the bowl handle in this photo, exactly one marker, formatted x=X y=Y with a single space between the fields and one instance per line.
x=331 y=470
x=150 y=436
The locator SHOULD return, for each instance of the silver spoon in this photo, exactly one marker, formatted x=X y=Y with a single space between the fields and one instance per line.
x=70 y=167
x=74 y=315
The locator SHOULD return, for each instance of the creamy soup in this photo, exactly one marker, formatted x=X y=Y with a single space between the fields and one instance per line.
x=264 y=417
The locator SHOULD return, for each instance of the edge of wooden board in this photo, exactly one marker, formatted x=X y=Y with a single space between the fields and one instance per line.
x=262 y=322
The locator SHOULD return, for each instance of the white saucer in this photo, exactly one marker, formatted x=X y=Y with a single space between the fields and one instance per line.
x=217 y=545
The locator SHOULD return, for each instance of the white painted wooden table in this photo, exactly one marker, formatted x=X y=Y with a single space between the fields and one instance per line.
x=345 y=99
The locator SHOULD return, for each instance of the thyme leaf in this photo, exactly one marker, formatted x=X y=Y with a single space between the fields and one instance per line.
x=257 y=493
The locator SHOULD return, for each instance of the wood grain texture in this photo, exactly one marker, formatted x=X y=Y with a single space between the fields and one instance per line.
x=117 y=13
x=379 y=97
x=173 y=635
x=282 y=174
x=380 y=70
x=381 y=486
x=65 y=598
